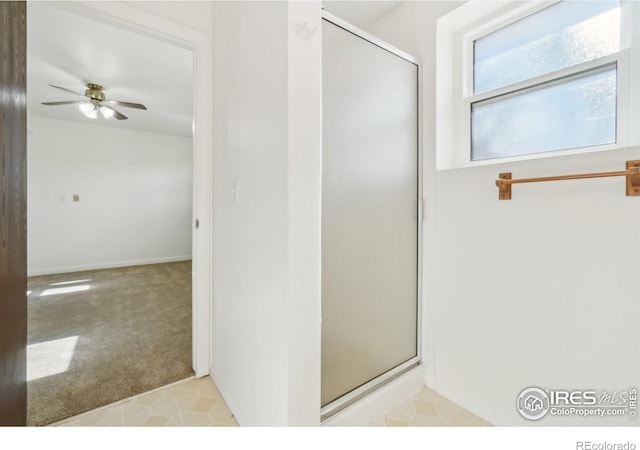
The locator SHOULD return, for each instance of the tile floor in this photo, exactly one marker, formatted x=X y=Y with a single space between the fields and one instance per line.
x=429 y=409
x=192 y=402
x=197 y=402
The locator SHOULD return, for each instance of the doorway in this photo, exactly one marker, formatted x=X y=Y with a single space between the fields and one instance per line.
x=129 y=20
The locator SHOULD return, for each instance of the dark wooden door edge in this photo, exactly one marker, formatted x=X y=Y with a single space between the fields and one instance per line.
x=13 y=223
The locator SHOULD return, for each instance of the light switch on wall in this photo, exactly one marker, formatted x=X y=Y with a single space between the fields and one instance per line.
x=61 y=198
x=76 y=197
x=236 y=191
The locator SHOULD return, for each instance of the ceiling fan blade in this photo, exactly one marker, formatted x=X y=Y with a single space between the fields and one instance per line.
x=72 y=102
x=126 y=104
x=67 y=90
x=116 y=114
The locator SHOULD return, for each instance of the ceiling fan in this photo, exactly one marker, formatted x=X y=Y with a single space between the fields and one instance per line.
x=96 y=101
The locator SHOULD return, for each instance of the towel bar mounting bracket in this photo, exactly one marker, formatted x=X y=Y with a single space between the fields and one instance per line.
x=633 y=181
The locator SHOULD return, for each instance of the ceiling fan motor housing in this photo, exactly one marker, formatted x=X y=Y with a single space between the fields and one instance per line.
x=94 y=92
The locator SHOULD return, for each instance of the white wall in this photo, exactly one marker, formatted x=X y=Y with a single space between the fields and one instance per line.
x=250 y=227
x=195 y=14
x=304 y=219
x=266 y=308
x=135 y=193
x=537 y=291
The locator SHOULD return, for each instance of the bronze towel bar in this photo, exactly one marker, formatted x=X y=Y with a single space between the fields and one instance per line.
x=632 y=174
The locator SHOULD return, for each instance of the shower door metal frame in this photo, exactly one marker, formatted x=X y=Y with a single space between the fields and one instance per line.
x=367 y=388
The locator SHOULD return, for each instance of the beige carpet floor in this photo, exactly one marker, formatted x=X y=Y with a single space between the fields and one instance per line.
x=96 y=337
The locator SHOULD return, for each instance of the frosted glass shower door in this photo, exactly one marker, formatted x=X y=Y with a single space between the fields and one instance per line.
x=369 y=212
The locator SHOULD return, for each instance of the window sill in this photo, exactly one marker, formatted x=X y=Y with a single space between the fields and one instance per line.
x=535 y=156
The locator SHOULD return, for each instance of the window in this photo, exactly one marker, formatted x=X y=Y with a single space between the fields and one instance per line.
x=518 y=82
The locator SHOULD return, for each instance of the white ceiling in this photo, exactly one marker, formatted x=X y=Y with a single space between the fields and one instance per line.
x=69 y=50
x=359 y=13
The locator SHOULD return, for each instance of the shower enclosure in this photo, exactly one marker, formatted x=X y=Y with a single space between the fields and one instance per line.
x=370 y=215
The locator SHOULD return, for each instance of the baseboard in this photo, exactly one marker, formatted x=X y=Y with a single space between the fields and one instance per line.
x=111 y=265
x=378 y=403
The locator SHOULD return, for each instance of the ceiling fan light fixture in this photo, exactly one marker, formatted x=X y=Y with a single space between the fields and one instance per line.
x=107 y=113
x=89 y=110
x=95 y=101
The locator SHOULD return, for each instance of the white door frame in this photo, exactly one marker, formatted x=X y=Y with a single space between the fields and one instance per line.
x=126 y=16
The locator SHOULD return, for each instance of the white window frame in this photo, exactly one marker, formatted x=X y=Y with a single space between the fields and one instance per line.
x=456 y=33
